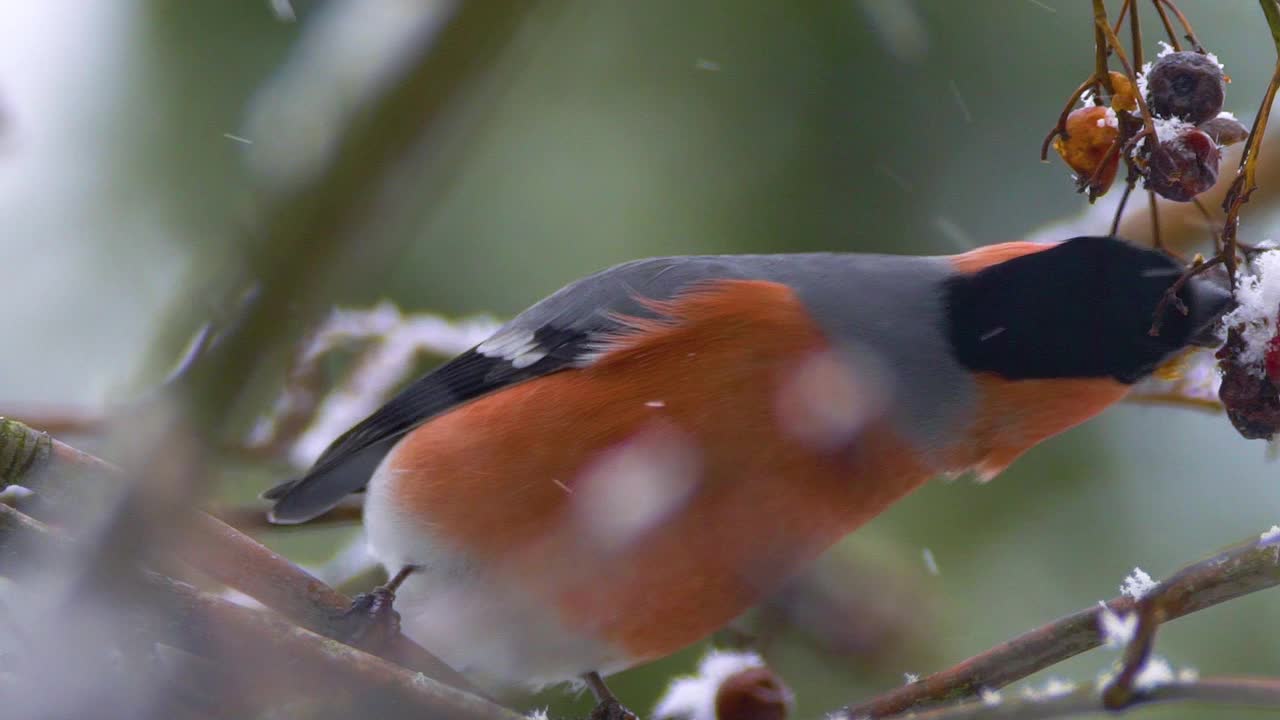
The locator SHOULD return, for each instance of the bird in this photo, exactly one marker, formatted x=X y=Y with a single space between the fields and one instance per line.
x=638 y=458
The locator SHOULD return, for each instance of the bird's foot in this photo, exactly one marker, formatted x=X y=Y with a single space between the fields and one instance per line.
x=607 y=705
x=372 y=622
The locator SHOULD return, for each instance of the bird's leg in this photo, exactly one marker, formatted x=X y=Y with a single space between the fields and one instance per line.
x=607 y=705
x=371 y=621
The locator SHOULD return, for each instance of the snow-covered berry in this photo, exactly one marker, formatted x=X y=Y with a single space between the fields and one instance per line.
x=1184 y=166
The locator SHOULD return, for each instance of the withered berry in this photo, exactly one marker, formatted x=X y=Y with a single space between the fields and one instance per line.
x=1225 y=130
x=1251 y=398
x=1186 y=85
x=1183 y=167
x=1090 y=133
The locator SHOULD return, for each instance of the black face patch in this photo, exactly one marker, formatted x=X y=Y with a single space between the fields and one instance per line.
x=1080 y=309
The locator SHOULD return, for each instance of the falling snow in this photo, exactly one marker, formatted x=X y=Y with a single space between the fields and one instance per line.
x=930 y=562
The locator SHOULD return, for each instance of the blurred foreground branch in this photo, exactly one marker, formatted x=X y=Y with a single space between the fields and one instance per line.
x=1242 y=569
x=267 y=652
x=308 y=221
x=58 y=473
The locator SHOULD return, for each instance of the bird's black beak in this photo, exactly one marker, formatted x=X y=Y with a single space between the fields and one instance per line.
x=1207 y=301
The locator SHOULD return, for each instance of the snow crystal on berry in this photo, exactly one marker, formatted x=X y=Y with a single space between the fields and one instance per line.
x=1258 y=295
x=694 y=697
x=1109 y=119
x=1142 y=80
x=1170 y=128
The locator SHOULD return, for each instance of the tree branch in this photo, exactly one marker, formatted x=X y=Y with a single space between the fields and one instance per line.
x=56 y=470
x=1236 y=691
x=1244 y=568
x=268 y=650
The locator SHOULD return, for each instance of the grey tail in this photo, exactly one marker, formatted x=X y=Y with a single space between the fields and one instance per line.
x=317 y=492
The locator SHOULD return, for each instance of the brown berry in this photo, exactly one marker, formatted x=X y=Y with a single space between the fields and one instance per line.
x=1225 y=130
x=1183 y=167
x=1086 y=147
x=753 y=694
x=1186 y=85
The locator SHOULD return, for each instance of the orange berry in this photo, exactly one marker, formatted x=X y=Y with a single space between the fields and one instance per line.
x=1124 y=97
x=1090 y=133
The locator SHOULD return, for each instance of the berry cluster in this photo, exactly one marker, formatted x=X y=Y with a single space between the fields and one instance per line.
x=1183 y=92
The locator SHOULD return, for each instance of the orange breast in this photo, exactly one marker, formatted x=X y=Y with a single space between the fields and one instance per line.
x=1016 y=415
x=657 y=494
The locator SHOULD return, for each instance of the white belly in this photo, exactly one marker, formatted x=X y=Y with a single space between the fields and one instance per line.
x=480 y=627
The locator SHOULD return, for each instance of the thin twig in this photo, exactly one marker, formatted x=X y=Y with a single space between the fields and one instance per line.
x=1130 y=181
x=1135 y=34
x=1100 y=45
x=1170 y=296
x=1246 y=174
x=1061 y=127
x=1124 y=12
x=1168 y=26
x=1244 y=568
x=1227 y=691
x=1148 y=123
x=1191 y=33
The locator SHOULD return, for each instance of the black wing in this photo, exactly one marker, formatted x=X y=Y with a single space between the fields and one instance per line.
x=346 y=465
x=560 y=332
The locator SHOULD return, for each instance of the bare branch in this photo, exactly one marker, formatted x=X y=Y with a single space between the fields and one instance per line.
x=1244 y=568
x=1250 y=692
x=263 y=644
x=212 y=547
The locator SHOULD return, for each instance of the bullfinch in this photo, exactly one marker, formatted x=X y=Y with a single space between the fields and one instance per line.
x=640 y=457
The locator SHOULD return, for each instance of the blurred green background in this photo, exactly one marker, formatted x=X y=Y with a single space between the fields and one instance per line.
x=621 y=129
